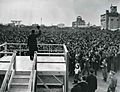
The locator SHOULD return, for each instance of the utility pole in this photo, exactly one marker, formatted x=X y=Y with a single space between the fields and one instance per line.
x=41 y=21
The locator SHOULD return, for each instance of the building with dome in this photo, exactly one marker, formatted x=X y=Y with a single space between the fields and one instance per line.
x=79 y=22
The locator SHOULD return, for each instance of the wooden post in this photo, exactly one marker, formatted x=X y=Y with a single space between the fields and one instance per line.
x=35 y=56
x=5 y=48
x=63 y=88
x=20 y=50
x=66 y=75
x=35 y=90
x=14 y=64
x=49 y=49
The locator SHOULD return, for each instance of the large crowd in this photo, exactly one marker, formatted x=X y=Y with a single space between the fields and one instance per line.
x=83 y=44
x=88 y=47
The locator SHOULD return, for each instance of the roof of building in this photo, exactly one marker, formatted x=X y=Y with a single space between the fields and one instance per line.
x=111 y=14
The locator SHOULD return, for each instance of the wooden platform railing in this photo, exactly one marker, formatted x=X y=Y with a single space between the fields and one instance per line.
x=12 y=66
x=3 y=47
x=67 y=69
x=65 y=55
x=43 y=49
x=32 y=83
x=22 y=47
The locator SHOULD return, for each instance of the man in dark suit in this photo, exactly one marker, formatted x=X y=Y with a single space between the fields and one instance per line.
x=83 y=84
x=92 y=81
x=76 y=87
x=32 y=42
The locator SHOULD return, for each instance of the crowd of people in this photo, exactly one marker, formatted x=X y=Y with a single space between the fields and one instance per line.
x=89 y=47
x=83 y=44
x=89 y=83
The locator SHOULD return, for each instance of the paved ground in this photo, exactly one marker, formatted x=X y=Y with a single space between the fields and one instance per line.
x=102 y=86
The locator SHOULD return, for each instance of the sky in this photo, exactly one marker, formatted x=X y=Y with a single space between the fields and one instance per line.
x=51 y=12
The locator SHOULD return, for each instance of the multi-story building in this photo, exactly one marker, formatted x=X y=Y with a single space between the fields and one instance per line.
x=111 y=19
x=79 y=22
x=61 y=25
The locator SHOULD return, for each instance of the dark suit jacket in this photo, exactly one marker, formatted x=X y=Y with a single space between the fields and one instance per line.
x=32 y=42
x=84 y=86
x=76 y=88
x=92 y=82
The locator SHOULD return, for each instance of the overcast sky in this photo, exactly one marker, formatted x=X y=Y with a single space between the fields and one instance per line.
x=54 y=11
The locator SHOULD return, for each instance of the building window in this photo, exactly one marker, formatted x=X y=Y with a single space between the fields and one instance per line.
x=102 y=20
x=111 y=19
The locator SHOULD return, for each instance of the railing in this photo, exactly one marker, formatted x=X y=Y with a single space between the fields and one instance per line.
x=22 y=48
x=32 y=84
x=12 y=65
x=3 y=49
x=64 y=53
x=67 y=68
x=43 y=49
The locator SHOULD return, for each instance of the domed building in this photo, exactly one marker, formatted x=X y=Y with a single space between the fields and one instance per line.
x=79 y=22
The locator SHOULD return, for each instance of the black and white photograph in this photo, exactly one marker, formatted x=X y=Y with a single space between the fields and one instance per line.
x=59 y=45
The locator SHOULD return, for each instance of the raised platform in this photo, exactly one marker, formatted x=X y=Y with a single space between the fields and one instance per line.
x=51 y=61
x=45 y=65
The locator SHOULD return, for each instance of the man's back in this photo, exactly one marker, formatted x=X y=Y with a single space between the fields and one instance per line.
x=32 y=42
x=92 y=81
x=76 y=88
x=84 y=86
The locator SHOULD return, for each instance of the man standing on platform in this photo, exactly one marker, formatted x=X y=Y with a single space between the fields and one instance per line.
x=32 y=42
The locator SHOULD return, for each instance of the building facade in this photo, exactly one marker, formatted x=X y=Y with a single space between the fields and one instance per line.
x=111 y=19
x=79 y=22
x=61 y=25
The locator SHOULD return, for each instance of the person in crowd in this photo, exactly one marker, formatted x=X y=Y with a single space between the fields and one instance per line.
x=92 y=81
x=109 y=62
x=71 y=64
x=86 y=66
x=77 y=72
x=104 y=70
x=32 y=42
x=112 y=83
x=94 y=64
x=83 y=84
x=76 y=87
